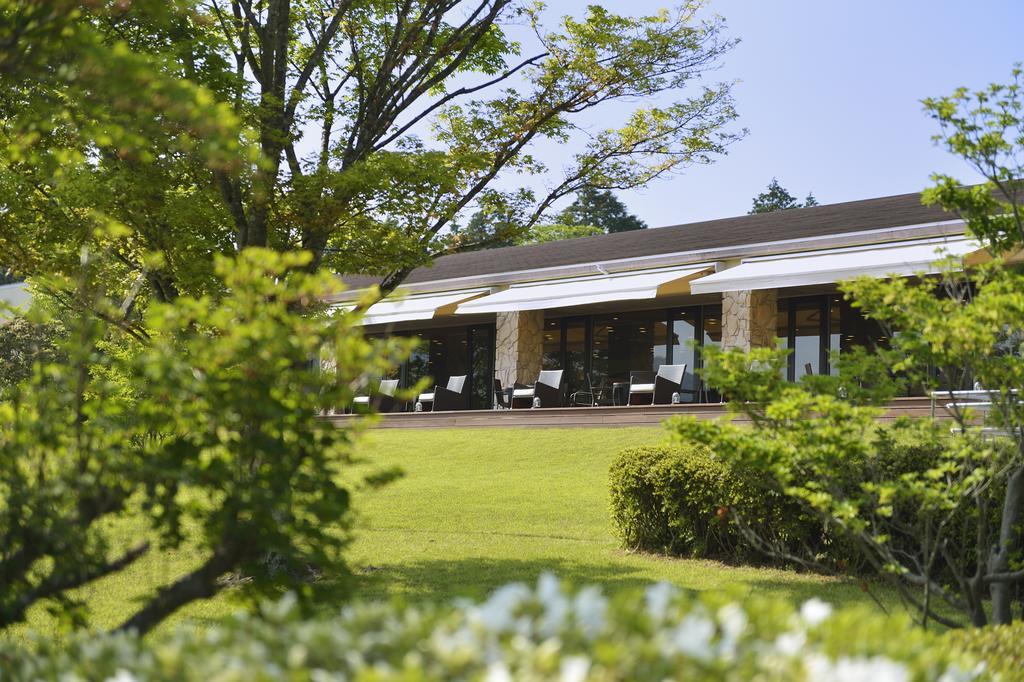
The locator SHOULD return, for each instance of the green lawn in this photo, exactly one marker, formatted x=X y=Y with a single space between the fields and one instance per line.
x=476 y=509
x=479 y=508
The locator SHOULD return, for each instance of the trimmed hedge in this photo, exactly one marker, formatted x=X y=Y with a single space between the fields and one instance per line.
x=522 y=633
x=676 y=499
x=1000 y=646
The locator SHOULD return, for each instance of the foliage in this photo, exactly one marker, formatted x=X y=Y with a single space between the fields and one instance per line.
x=997 y=645
x=957 y=555
x=207 y=425
x=358 y=131
x=777 y=198
x=986 y=130
x=23 y=343
x=542 y=234
x=520 y=632
x=678 y=499
x=486 y=230
x=602 y=209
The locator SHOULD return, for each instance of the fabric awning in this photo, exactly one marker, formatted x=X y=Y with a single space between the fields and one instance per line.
x=399 y=308
x=827 y=267
x=585 y=290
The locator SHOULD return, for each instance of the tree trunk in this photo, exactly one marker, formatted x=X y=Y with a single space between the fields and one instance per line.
x=1008 y=545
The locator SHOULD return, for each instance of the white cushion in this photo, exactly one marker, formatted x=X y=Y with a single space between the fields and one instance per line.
x=427 y=397
x=522 y=393
x=362 y=400
x=641 y=388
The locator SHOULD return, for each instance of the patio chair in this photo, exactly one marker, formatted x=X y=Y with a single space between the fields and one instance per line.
x=664 y=387
x=500 y=398
x=444 y=398
x=381 y=400
x=668 y=385
x=641 y=385
x=592 y=397
x=547 y=392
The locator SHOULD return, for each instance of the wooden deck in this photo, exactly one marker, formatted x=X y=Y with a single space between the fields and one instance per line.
x=582 y=417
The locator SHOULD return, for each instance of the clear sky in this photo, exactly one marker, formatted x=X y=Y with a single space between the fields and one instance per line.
x=830 y=91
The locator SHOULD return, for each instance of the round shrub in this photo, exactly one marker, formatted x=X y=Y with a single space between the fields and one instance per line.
x=541 y=633
x=999 y=646
x=681 y=500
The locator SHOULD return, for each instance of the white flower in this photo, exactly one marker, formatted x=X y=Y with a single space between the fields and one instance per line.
x=556 y=605
x=590 y=606
x=790 y=643
x=692 y=637
x=497 y=672
x=122 y=675
x=575 y=669
x=497 y=614
x=814 y=611
x=955 y=674
x=733 y=620
x=875 y=669
x=658 y=598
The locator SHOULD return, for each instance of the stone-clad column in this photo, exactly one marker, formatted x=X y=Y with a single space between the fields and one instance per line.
x=519 y=346
x=748 y=318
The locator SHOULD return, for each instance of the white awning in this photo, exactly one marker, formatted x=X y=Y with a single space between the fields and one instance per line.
x=576 y=291
x=15 y=295
x=826 y=267
x=398 y=308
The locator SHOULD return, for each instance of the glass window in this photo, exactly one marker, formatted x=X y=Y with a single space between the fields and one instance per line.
x=712 y=315
x=835 y=327
x=552 y=358
x=807 y=331
x=481 y=349
x=575 y=354
x=682 y=340
x=628 y=342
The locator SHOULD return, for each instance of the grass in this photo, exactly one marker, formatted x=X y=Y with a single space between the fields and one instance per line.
x=478 y=508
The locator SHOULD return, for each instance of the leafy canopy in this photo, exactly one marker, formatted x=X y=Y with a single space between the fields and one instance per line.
x=208 y=427
x=947 y=537
x=778 y=198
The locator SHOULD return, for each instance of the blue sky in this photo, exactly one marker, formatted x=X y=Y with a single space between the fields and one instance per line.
x=830 y=92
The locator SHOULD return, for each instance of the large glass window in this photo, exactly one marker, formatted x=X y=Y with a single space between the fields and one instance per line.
x=806 y=318
x=685 y=326
x=454 y=351
x=627 y=342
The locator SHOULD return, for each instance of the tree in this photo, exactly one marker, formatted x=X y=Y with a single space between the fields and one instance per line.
x=602 y=209
x=209 y=430
x=542 y=234
x=487 y=230
x=777 y=198
x=23 y=344
x=946 y=535
x=333 y=100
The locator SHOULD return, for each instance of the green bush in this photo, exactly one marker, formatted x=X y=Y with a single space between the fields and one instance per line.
x=680 y=499
x=542 y=633
x=998 y=646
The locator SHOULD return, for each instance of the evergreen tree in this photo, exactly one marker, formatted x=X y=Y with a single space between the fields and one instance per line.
x=600 y=208
x=778 y=198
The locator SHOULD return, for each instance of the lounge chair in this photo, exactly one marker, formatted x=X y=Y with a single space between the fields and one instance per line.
x=444 y=398
x=664 y=387
x=591 y=397
x=500 y=398
x=547 y=392
x=381 y=400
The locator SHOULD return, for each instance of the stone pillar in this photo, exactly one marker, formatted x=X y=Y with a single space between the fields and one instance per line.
x=749 y=318
x=519 y=346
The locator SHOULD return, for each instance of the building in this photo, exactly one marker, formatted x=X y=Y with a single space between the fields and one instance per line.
x=609 y=305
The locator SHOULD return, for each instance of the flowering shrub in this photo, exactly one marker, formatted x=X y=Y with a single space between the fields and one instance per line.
x=546 y=633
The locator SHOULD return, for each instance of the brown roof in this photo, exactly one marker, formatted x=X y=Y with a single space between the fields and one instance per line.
x=818 y=221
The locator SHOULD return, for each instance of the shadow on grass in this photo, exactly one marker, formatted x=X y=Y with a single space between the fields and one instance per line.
x=442 y=580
